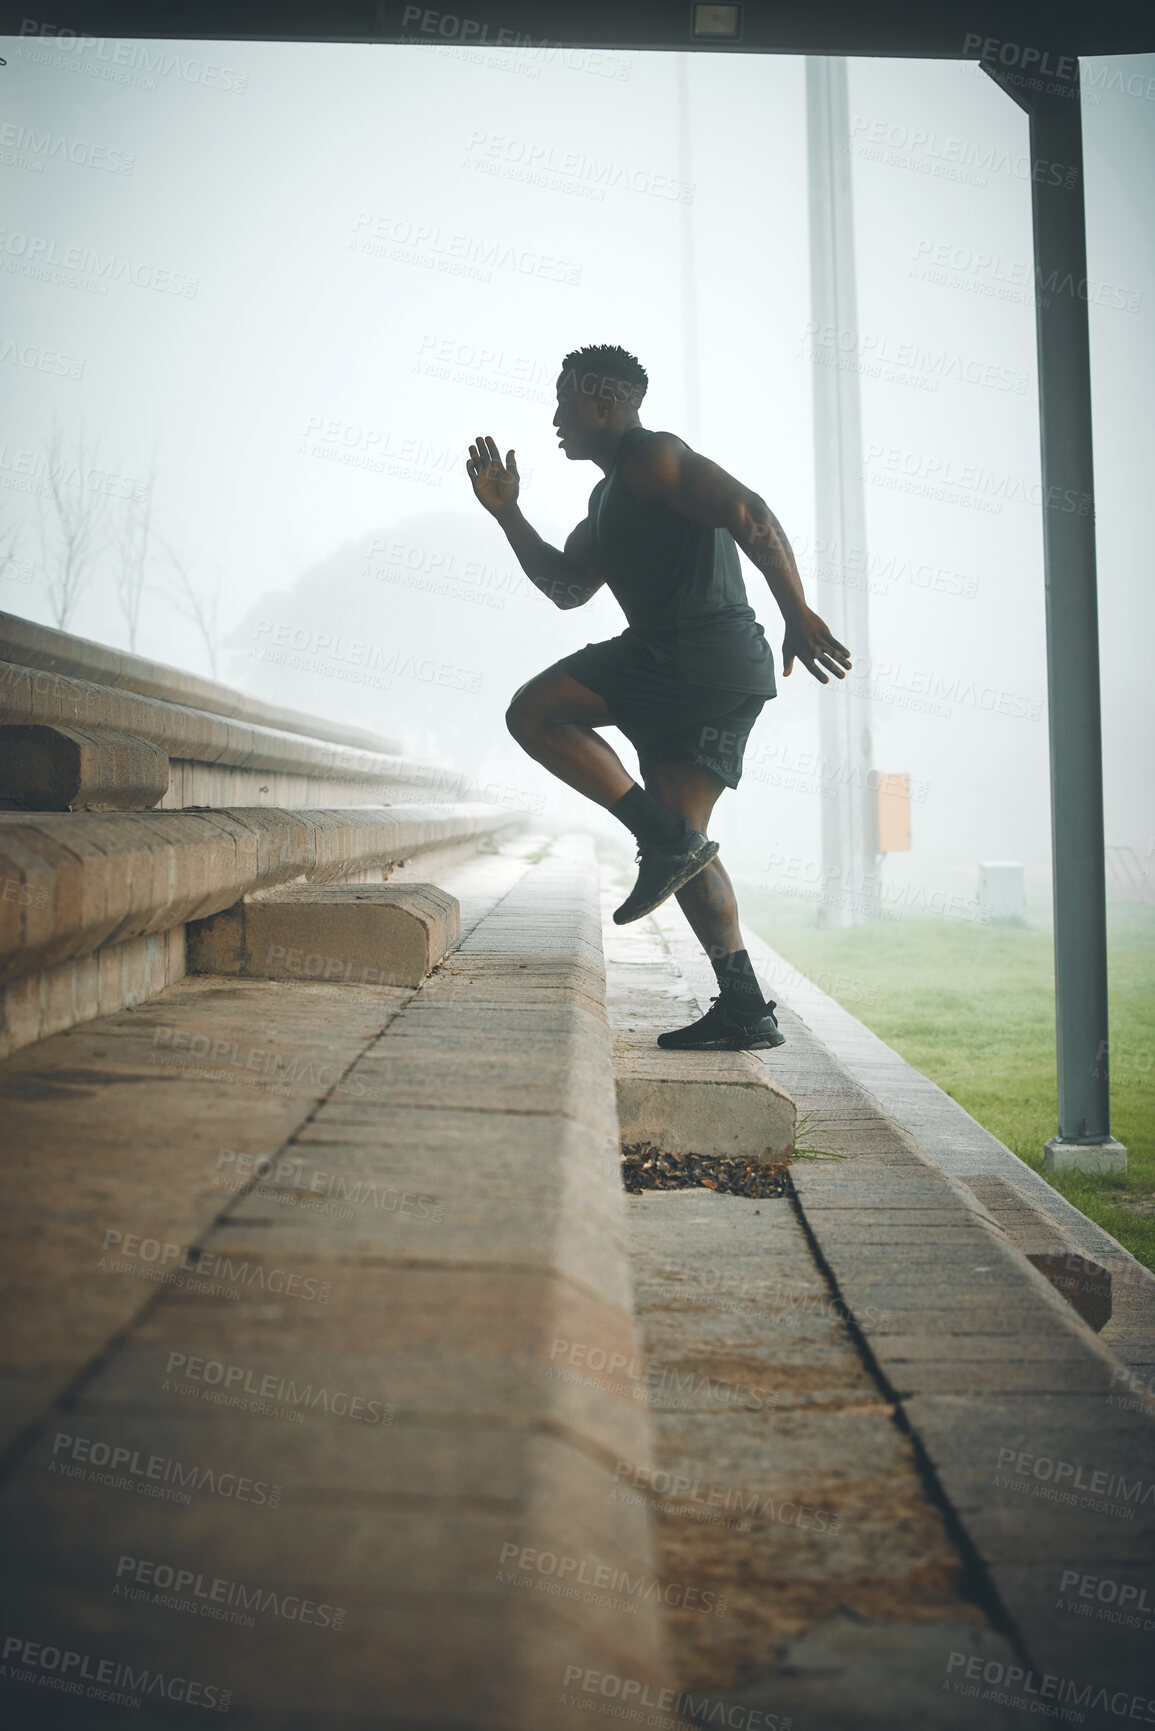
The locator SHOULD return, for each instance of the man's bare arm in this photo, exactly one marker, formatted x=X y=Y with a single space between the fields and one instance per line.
x=665 y=470
x=566 y=577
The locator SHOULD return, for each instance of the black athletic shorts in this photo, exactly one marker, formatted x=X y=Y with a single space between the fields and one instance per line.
x=665 y=720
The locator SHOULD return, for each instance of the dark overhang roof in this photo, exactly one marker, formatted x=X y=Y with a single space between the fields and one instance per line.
x=928 y=29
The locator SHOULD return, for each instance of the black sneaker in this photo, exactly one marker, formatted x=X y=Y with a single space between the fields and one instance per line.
x=724 y=1029
x=661 y=871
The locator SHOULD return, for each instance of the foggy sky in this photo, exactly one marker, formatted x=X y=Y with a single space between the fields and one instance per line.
x=351 y=260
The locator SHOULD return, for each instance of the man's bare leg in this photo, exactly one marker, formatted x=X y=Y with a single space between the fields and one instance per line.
x=708 y=900
x=553 y=718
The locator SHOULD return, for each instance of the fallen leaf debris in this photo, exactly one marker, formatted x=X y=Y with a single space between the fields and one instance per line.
x=645 y=1167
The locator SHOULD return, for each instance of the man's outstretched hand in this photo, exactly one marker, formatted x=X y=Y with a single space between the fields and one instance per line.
x=808 y=639
x=495 y=483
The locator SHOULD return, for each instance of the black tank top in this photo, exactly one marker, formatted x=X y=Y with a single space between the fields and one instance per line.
x=679 y=585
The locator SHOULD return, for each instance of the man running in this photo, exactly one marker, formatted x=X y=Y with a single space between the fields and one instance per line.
x=684 y=682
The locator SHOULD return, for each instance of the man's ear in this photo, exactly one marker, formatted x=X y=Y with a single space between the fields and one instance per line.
x=607 y=403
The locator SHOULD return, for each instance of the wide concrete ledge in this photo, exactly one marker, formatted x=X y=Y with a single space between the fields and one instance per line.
x=455 y=1290
x=46 y=768
x=712 y=1103
x=77 y=882
x=360 y=934
x=715 y=1103
x=30 y=697
x=1025 y=1418
x=27 y=644
x=1083 y=1282
x=948 y=1135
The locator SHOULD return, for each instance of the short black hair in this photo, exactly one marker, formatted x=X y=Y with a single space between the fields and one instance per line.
x=602 y=367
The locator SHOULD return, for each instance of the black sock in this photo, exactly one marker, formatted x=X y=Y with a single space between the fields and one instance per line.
x=738 y=982
x=650 y=822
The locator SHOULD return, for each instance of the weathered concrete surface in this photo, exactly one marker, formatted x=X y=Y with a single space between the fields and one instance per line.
x=148 y=1122
x=83 y=881
x=24 y=643
x=362 y=934
x=1083 y=1282
x=56 y=699
x=79 y=769
x=46 y=1002
x=949 y=1136
x=685 y=1102
x=415 y=1298
x=1018 y=1413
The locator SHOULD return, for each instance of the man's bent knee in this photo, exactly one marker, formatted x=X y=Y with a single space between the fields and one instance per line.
x=520 y=717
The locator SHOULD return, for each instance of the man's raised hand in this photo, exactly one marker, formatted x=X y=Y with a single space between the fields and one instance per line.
x=495 y=483
x=808 y=638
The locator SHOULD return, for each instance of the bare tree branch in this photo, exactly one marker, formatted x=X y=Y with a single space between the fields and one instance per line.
x=70 y=522
x=133 y=544
x=199 y=608
x=10 y=538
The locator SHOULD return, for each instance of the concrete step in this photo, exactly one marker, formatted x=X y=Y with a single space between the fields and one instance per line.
x=24 y=643
x=376 y=1391
x=93 y=906
x=1012 y=1402
x=710 y=1103
x=79 y=769
x=1080 y=1253
x=370 y=934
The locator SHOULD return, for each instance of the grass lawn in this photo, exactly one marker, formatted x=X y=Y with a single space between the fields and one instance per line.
x=972 y=1007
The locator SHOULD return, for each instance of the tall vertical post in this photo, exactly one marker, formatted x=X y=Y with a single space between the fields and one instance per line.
x=848 y=839
x=1084 y=1140
x=688 y=267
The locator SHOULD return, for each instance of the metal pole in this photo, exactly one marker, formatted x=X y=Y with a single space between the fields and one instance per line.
x=1084 y=1140
x=848 y=832
x=688 y=265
